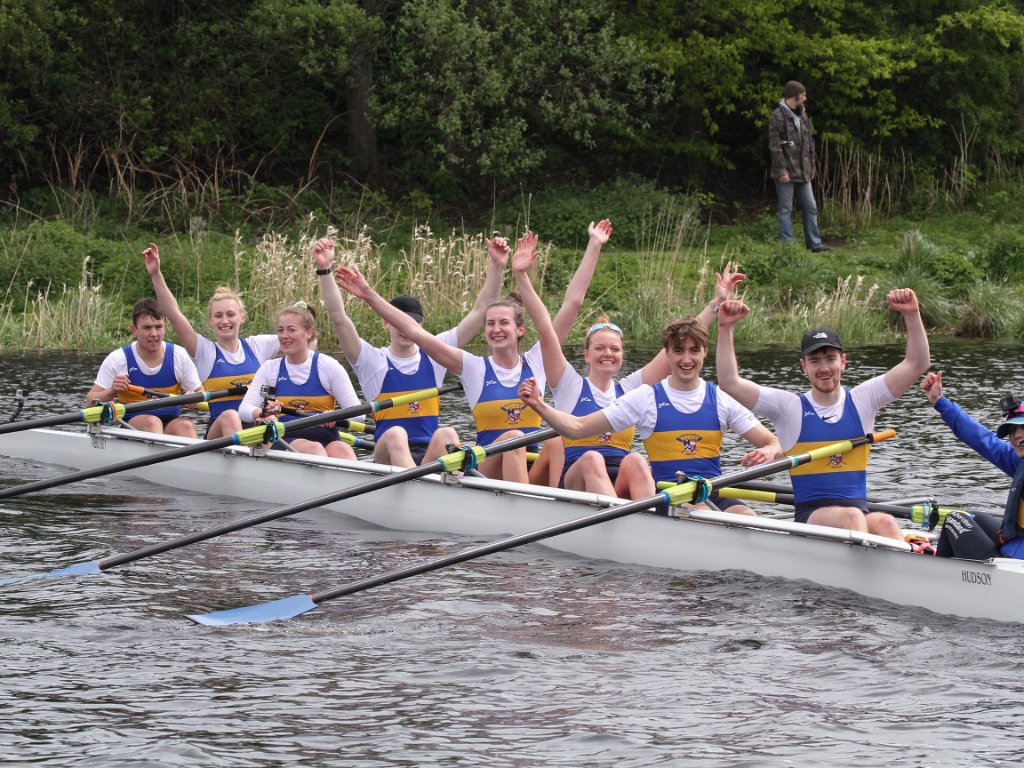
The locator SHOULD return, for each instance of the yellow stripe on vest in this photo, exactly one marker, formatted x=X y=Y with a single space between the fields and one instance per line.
x=851 y=461
x=673 y=445
x=429 y=407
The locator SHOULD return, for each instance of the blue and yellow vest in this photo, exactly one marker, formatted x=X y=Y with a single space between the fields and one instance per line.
x=685 y=442
x=843 y=476
x=607 y=444
x=419 y=419
x=225 y=375
x=311 y=396
x=161 y=381
x=500 y=409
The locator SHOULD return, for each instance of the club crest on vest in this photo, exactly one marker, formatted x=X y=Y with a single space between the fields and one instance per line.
x=689 y=442
x=835 y=462
x=414 y=407
x=513 y=411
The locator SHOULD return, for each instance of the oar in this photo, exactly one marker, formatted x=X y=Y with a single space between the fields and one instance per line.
x=296 y=605
x=110 y=412
x=918 y=513
x=257 y=435
x=356 y=442
x=756 y=485
x=452 y=462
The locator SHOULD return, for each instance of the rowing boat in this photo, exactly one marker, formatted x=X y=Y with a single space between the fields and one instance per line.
x=869 y=565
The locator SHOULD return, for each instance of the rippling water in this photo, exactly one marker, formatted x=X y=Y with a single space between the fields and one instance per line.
x=523 y=659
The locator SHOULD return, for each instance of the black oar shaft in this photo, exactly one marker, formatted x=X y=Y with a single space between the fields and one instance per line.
x=335 y=496
x=596 y=518
x=512 y=542
x=200 y=447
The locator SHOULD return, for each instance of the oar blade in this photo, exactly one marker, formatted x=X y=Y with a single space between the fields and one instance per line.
x=78 y=569
x=285 y=608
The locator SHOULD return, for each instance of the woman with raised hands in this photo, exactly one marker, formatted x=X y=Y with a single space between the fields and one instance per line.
x=491 y=383
x=410 y=434
x=302 y=380
x=603 y=463
x=227 y=360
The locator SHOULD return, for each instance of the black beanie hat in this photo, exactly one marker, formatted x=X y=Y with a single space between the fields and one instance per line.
x=792 y=89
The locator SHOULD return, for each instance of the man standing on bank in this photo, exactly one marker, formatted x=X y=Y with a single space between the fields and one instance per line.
x=793 y=161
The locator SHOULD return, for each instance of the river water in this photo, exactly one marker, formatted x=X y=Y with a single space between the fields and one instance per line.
x=526 y=658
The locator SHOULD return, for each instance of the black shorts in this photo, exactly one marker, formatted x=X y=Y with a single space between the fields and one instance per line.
x=803 y=509
x=322 y=435
x=725 y=504
x=972 y=537
x=165 y=418
x=611 y=463
x=418 y=451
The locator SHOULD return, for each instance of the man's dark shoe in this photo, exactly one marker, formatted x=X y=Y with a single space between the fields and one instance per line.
x=821 y=249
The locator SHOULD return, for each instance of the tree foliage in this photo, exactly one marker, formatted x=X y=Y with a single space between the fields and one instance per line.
x=455 y=98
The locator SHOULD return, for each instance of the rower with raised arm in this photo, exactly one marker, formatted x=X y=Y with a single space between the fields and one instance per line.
x=226 y=361
x=982 y=536
x=410 y=434
x=601 y=463
x=151 y=363
x=491 y=382
x=830 y=493
x=302 y=380
x=681 y=418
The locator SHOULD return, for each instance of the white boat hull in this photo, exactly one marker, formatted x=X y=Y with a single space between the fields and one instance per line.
x=865 y=564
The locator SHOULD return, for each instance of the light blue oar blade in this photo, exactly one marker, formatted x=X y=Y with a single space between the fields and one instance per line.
x=261 y=613
x=74 y=570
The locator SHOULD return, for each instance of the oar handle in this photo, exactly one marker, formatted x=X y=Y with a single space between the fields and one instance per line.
x=110 y=412
x=260 y=433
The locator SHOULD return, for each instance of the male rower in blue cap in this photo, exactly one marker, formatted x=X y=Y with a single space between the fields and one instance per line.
x=979 y=537
x=833 y=491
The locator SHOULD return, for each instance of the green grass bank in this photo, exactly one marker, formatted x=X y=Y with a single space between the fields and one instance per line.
x=70 y=264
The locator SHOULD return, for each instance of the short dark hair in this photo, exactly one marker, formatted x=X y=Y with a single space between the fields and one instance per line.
x=146 y=307
x=684 y=328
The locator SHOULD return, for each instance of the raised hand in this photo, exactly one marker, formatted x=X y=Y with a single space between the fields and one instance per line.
x=601 y=232
x=931 y=384
x=323 y=252
x=904 y=301
x=726 y=282
x=731 y=312
x=497 y=249
x=152 y=258
x=352 y=280
x=526 y=252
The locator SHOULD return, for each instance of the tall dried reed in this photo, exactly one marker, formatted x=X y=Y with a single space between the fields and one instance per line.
x=79 y=317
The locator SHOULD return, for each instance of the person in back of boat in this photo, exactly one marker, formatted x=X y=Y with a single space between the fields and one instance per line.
x=603 y=463
x=303 y=380
x=152 y=363
x=982 y=536
x=229 y=360
x=410 y=434
x=491 y=382
x=681 y=419
x=829 y=492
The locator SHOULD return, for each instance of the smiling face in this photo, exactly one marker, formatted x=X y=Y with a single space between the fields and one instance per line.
x=292 y=336
x=686 y=360
x=1016 y=438
x=824 y=369
x=226 y=318
x=604 y=352
x=501 y=329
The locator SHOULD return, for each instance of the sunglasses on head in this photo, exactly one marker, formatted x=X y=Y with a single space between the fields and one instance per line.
x=604 y=326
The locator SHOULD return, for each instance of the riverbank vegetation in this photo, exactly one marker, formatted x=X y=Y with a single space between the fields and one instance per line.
x=69 y=276
x=231 y=133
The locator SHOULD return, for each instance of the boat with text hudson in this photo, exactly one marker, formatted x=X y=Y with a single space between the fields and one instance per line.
x=474 y=506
